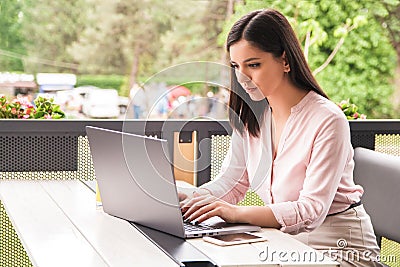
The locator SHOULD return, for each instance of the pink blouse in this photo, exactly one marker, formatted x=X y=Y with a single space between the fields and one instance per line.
x=312 y=172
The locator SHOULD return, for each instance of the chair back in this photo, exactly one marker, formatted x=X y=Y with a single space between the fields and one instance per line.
x=379 y=174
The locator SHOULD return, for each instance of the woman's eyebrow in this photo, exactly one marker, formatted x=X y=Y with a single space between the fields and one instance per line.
x=251 y=59
x=246 y=60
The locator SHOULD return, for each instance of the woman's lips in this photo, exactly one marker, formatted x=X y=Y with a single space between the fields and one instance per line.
x=250 y=90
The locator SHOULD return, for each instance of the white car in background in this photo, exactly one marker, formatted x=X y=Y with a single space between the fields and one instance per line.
x=101 y=103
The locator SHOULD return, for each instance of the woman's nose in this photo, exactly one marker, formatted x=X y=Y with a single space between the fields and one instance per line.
x=241 y=77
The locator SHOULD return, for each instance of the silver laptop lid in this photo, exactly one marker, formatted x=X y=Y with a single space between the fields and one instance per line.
x=136 y=183
x=135 y=179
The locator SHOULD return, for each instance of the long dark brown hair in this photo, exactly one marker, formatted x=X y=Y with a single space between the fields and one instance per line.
x=269 y=31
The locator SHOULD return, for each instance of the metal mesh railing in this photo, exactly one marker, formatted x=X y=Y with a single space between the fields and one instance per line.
x=390 y=252
x=21 y=153
x=388 y=143
x=12 y=252
x=84 y=166
x=64 y=154
x=219 y=147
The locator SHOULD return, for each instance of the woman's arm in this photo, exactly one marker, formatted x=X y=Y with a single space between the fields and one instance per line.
x=203 y=207
x=231 y=184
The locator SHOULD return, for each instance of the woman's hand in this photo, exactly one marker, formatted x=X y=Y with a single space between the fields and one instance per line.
x=202 y=207
x=185 y=197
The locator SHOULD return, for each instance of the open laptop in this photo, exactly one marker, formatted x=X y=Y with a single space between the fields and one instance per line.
x=136 y=183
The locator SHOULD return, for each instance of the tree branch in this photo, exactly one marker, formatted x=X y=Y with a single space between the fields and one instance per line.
x=331 y=56
x=307 y=44
x=334 y=52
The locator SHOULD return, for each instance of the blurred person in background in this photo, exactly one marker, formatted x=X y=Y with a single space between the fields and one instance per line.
x=138 y=100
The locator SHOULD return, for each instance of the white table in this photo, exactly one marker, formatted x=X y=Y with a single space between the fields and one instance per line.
x=59 y=225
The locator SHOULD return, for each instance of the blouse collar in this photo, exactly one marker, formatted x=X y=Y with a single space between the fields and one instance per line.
x=303 y=102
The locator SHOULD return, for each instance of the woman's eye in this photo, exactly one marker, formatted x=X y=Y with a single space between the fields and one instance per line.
x=234 y=66
x=254 y=65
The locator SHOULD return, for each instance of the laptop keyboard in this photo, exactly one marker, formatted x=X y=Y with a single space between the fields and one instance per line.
x=198 y=227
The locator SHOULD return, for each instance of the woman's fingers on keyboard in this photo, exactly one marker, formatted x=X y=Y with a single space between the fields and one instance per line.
x=226 y=211
x=183 y=199
x=204 y=213
x=196 y=203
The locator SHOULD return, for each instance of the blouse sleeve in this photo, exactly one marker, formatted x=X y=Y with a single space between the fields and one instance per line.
x=329 y=157
x=232 y=183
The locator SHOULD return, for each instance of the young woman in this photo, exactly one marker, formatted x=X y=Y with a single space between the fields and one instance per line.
x=290 y=144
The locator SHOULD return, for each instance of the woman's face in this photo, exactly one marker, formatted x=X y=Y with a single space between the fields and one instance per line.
x=259 y=72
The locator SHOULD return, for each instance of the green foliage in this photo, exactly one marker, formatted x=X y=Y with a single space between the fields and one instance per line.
x=141 y=38
x=362 y=70
x=194 y=35
x=11 y=39
x=49 y=28
x=103 y=81
x=124 y=89
x=120 y=32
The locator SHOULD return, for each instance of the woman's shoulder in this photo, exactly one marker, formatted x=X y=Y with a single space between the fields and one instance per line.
x=318 y=113
x=324 y=107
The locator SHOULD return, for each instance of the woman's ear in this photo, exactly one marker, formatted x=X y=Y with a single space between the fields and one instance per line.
x=286 y=66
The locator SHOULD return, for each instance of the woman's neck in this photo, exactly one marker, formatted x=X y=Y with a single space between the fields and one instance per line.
x=282 y=102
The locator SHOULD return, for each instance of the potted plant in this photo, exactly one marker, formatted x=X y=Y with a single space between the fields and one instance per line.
x=350 y=110
x=21 y=108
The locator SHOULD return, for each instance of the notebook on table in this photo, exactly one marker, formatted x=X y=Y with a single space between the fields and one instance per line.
x=136 y=183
